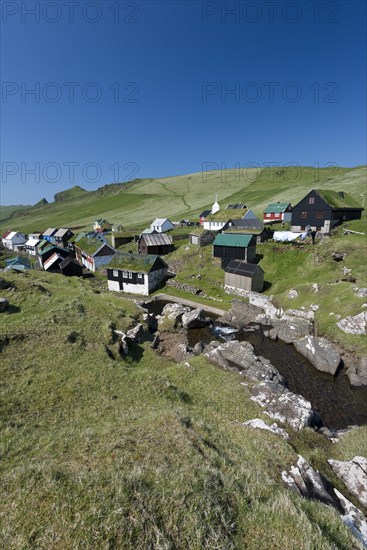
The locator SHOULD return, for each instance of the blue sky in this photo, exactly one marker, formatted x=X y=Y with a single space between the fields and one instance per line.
x=146 y=91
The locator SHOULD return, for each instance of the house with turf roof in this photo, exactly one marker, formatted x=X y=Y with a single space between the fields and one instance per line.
x=93 y=252
x=234 y=246
x=136 y=274
x=102 y=225
x=322 y=210
x=278 y=212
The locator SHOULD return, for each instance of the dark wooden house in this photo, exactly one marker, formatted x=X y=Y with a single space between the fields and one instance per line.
x=323 y=209
x=156 y=244
x=241 y=276
x=136 y=273
x=234 y=246
x=46 y=253
x=71 y=268
x=63 y=236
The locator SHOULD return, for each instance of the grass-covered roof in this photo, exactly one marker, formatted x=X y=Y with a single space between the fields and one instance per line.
x=133 y=262
x=336 y=200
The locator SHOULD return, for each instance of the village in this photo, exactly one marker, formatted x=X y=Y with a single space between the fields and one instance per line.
x=133 y=262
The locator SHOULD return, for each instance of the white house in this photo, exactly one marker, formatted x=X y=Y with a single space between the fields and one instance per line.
x=31 y=244
x=13 y=240
x=161 y=225
x=136 y=274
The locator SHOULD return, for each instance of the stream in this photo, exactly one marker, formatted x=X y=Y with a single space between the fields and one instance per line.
x=339 y=404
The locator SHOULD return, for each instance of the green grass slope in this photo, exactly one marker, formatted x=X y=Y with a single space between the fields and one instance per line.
x=103 y=452
x=137 y=203
x=7 y=211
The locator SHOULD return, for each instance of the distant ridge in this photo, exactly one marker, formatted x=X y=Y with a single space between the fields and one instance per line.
x=70 y=194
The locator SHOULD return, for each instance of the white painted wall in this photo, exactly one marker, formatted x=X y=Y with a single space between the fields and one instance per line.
x=113 y=285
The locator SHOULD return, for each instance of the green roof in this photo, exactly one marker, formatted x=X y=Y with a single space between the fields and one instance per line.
x=225 y=215
x=133 y=262
x=337 y=201
x=42 y=244
x=90 y=245
x=230 y=239
x=276 y=207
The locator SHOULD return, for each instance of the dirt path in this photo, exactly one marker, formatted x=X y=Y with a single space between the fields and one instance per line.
x=189 y=303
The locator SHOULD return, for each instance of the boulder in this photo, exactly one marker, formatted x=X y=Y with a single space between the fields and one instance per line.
x=124 y=348
x=357 y=373
x=241 y=357
x=261 y=425
x=354 y=325
x=198 y=348
x=299 y=314
x=338 y=256
x=292 y=294
x=354 y=475
x=179 y=352
x=320 y=353
x=361 y=292
x=308 y=482
x=283 y=405
x=3 y=284
x=137 y=334
x=173 y=312
x=194 y=319
x=4 y=304
x=241 y=314
x=287 y=330
x=151 y=321
x=315 y=287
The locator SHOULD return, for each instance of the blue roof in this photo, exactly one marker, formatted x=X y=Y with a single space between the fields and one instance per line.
x=18 y=260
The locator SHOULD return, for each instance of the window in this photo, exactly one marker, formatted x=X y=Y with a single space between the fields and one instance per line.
x=311 y=200
x=268 y=215
x=304 y=215
x=115 y=273
x=124 y=274
x=277 y=215
x=320 y=214
x=140 y=275
x=130 y=275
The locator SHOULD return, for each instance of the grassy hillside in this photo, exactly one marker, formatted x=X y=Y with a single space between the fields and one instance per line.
x=103 y=452
x=7 y=211
x=137 y=203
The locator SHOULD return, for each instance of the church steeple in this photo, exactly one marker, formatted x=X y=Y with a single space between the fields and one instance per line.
x=215 y=207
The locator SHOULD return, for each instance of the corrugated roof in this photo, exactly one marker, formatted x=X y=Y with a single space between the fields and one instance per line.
x=232 y=239
x=69 y=260
x=242 y=268
x=18 y=260
x=6 y=234
x=51 y=260
x=276 y=207
x=49 y=232
x=157 y=239
x=204 y=213
x=32 y=242
x=247 y=223
x=158 y=222
x=236 y=206
x=134 y=262
x=61 y=232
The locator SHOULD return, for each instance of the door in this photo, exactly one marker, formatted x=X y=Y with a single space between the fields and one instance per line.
x=121 y=285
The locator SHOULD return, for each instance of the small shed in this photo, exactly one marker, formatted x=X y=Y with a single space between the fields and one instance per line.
x=240 y=275
x=203 y=238
x=234 y=246
x=71 y=268
x=156 y=244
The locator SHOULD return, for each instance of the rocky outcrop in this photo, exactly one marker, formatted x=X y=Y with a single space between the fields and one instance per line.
x=287 y=330
x=354 y=474
x=320 y=353
x=354 y=325
x=361 y=292
x=173 y=312
x=357 y=372
x=309 y=483
x=241 y=314
x=241 y=357
x=194 y=319
x=259 y=424
x=283 y=405
x=292 y=294
x=4 y=304
x=137 y=334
